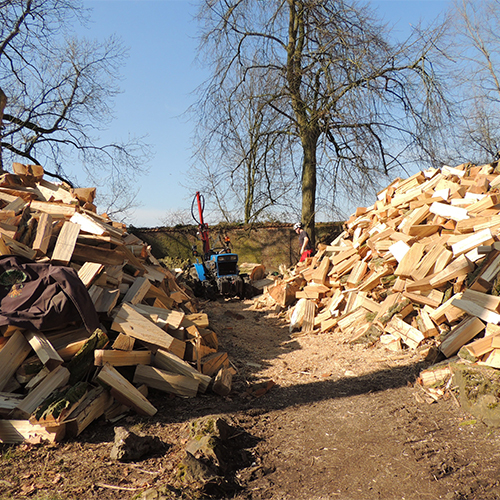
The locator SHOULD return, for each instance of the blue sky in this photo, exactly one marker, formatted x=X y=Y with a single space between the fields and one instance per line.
x=160 y=77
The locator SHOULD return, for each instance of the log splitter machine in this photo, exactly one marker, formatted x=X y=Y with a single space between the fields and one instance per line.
x=217 y=273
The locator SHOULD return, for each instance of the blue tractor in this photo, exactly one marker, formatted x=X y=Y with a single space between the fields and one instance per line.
x=217 y=274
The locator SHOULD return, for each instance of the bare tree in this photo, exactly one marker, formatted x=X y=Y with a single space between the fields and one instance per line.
x=477 y=78
x=244 y=154
x=59 y=93
x=355 y=104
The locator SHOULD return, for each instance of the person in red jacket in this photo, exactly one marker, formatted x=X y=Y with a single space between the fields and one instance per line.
x=304 y=242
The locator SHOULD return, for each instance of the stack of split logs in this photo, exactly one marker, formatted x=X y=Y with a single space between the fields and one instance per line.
x=55 y=383
x=418 y=269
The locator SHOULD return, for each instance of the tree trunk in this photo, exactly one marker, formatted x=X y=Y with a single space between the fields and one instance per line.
x=309 y=145
x=3 y=103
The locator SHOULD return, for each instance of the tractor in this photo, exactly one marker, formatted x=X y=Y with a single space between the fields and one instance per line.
x=215 y=272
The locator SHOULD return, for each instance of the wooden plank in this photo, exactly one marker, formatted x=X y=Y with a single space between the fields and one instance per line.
x=427 y=262
x=223 y=381
x=487 y=202
x=18 y=431
x=18 y=248
x=483 y=237
x=423 y=230
x=212 y=363
x=8 y=401
x=65 y=244
x=308 y=319
x=459 y=267
x=168 y=362
x=123 y=342
x=422 y=299
x=89 y=272
x=87 y=253
x=491 y=302
x=399 y=250
x=12 y=355
x=128 y=320
x=476 y=310
x=43 y=234
x=425 y=324
x=460 y=335
x=319 y=275
x=473 y=351
x=104 y=299
x=124 y=391
x=55 y=192
x=357 y=274
x=413 y=219
x=121 y=358
x=448 y=211
x=95 y=403
x=60 y=210
x=137 y=291
x=345 y=254
x=162 y=317
x=407 y=264
x=172 y=383
x=198 y=319
x=409 y=335
x=88 y=224
x=43 y=349
x=55 y=379
x=159 y=294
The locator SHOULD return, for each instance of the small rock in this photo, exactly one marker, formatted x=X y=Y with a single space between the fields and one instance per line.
x=129 y=446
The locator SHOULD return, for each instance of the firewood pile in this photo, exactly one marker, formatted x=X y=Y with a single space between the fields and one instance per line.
x=56 y=381
x=419 y=269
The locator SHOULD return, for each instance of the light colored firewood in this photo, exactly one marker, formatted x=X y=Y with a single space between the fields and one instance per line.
x=169 y=362
x=43 y=349
x=448 y=211
x=121 y=358
x=137 y=291
x=459 y=267
x=223 y=382
x=476 y=310
x=319 y=275
x=128 y=320
x=95 y=403
x=408 y=334
x=89 y=272
x=425 y=324
x=172 y=383
x=422 y=299
x=124 y=391
x=161 y=316
x=12 y=355
x=492 y=358
x=43 y=234
x=18 y=431
x=414 y=218
x=212 y=363
x=491 y=302
x=123 y=342
x=460 y=335
x=399 y=250
x=487 y=202
x=55 y=379
x=474 y=350
x=483 y=237
x=407 y=263
x=65 y=243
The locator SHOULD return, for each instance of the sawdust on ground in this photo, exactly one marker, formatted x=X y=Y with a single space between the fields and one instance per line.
x=340 y=422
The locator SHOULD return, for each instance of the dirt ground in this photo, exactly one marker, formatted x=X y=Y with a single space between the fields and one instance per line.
x=340 y=422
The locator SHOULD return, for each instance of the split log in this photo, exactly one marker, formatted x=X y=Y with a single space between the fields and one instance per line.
x=124 y=391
